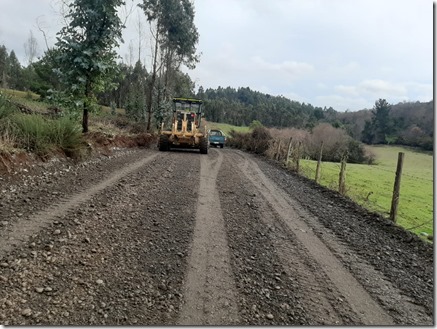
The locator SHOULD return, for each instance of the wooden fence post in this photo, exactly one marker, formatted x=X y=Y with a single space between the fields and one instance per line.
x=288 y=152
x=396 y=188
x=319 y=162
x=342 y=176
x=278 y=154
x=298 y=156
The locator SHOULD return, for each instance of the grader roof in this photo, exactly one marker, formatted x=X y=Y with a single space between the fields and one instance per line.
x=187 y=100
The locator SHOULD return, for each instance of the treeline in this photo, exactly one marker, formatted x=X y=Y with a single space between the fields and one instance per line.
x=242 y=106
x=12 y=74
x=128 y=89
x=81 y=70
x=406 y=123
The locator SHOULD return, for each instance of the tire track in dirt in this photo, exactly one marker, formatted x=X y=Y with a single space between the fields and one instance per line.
x=393 y=265
x=209 y=288
x=368 y=311
x=134 y=236
x=21 y=230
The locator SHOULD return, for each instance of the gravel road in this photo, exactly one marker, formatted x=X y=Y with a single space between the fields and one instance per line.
x=143 y=237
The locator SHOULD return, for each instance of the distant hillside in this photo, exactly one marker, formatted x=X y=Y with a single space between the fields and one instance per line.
x=241 y=106
x=412 y=121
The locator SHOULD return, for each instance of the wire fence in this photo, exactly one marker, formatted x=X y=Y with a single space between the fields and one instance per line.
x=372 y=198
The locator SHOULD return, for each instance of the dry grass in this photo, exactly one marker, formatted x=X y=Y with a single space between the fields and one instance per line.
x=105 y=126
x=7 y=143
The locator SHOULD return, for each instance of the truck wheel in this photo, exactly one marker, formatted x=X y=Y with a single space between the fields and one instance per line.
x=221 y=146
x=163 y=143
x=203 y=145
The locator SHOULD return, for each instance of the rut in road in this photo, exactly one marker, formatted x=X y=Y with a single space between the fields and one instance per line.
x=23 y=229
x=189 y=239
x=209 y=288
x=368 y=310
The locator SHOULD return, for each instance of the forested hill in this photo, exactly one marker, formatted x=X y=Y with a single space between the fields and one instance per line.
x=241 y=106
x=407 y=123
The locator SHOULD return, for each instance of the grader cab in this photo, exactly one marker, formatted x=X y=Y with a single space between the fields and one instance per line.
x=186 y=130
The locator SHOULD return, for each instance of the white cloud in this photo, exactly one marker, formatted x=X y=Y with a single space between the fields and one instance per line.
x=348 y=90
x=341 y=103
x=291 y=69
x=424 y=91
x=367 y=91
x=345 y=53
x=377 y=87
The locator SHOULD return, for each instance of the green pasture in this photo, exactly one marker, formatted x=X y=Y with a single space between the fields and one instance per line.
x=226 y=128
x=20 y=94
x=372 y=185
x=26 y=98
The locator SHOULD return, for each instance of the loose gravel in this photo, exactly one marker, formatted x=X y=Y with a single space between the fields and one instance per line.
x=164 y=228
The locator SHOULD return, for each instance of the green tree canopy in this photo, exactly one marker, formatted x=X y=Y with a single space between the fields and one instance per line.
x=381 y=127
x=87 y=48
x=175 y=37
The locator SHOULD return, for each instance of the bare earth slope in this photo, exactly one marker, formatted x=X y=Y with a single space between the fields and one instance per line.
x=169 y=238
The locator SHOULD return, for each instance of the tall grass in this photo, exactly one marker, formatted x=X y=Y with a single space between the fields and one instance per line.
x=67 y=135
x=372 y=185
x=31 y=132
x=38 y=134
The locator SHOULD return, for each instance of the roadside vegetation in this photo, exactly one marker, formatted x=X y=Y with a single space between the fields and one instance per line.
x=405 y=123
x=370 y=172
x=28 y=126
x=372 y=185
x=226 y=128
x=38 y=133
x=80 y=86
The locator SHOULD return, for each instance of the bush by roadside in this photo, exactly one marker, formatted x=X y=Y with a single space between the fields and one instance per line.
x=273 y=143
x=47 y=135
x=37 y=133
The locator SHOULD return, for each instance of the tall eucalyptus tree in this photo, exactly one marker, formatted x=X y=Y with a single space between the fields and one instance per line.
x=175 y=42
x=87 y=48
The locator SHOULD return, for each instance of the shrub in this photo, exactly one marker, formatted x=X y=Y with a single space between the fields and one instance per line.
x=32 y=132
x=6 y=108
x=358 y=154
x=259 y=141
x=335 y=142
x=42 y=136
x=236 y=139
x=254 y=124
x=66 y=134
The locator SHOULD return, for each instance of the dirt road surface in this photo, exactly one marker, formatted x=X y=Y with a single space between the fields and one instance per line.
x=172 y=238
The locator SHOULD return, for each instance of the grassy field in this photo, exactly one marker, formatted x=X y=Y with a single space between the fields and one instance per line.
x=372 y=185
x=226 y=128
x=20 y=94
x=28 y=99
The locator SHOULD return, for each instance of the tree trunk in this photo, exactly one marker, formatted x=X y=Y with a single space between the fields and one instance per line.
x=152 y=83
x=86 y=106
x=85 y=118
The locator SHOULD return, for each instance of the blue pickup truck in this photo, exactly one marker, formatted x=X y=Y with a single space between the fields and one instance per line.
x=216 y=138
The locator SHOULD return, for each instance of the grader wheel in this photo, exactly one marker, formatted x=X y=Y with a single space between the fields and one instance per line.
x=164 y=144
x=203 y=145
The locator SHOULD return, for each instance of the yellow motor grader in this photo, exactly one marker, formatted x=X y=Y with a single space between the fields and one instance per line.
x=186 y=129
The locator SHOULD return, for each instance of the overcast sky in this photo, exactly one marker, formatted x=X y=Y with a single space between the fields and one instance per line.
x=340 y=53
